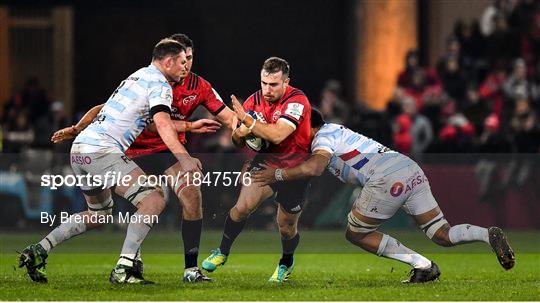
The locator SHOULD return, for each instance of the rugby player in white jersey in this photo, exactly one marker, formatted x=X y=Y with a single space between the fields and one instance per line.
x=390 y=180
x=98 y=150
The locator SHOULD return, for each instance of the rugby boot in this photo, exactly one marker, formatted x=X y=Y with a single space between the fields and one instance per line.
x=502 y=249
x=33 y=258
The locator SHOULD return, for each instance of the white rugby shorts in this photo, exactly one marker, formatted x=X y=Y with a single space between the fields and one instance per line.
x=109 y=163
x=407 y=188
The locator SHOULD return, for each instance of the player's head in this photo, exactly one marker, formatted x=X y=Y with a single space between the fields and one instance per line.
x=188 y=43
x=170 y=58
x=317 y=121
x=274 y=78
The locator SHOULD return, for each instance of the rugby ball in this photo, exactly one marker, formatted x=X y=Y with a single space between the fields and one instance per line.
x=255 y=143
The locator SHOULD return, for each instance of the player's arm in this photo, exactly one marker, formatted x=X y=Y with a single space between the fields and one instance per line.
x=228 y=118
x=213 y=102
x=160 y=99
x=72 y=131
x=200 y=126
x=168 y=134
x=274 y=133
x=313 y=167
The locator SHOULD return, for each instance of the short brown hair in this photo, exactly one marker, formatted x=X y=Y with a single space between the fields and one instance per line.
x=167 y=47
x=183 y=39
x=274 y=65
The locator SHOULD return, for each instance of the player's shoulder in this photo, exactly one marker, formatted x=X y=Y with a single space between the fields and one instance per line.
x=256 y=98
x=197 y=83
x=149 y=77
x=332 y=130
x=295 y=95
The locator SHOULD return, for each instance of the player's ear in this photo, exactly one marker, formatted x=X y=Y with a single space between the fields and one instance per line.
x=167 y=62
x=286 y=82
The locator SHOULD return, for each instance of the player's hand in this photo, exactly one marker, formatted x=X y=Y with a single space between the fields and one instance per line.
x=189 y=164
x=67 y=133
x=264 y=176
x=238 y=108
x=241 y=131
x=204 y=126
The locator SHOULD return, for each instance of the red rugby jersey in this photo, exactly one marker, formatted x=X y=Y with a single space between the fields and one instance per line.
x=191 y=92
x=294 y=109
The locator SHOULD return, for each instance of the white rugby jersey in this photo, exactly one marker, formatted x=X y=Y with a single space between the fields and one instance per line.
x=356 y=158
x=127 y=112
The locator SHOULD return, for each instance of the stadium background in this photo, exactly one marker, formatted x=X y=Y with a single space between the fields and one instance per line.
x=454 y=84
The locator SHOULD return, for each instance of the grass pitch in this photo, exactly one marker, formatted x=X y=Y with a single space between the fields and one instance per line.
x=327 y=268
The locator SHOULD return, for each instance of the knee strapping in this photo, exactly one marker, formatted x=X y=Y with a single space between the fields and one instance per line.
x=431 y=227
x=180 y=183
x=357 y=226
x=382 y=245
x=137 y=192
x=101 y=209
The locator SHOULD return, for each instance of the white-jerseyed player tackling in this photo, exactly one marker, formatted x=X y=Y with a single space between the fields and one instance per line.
x=144 y=96
x=390 y=180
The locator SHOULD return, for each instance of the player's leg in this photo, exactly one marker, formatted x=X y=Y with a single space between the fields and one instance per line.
x=150 y=202
x=362 y=232
x=34 y=256
x=291 y=197
x=424 y=208
x=378 y=201
x=290 y=238
x=99 y=203
x=190 y=198
x=442 y=233
x=249 y=199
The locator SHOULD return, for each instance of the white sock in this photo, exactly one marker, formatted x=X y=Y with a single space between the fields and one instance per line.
x=465 y=233
x=136 y=233
x=393 y=249
x=63 y=232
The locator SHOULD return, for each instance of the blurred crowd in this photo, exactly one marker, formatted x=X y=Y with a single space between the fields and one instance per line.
x=483 y=95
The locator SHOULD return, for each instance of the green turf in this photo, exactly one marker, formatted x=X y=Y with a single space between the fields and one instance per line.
x=327 y=268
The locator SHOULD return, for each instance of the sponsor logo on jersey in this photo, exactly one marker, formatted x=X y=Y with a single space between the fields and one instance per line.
x=260 y=117
x=276 y=115
x=166 y=93
x=396 y=189
x=383 y=149
x=416 y=180
x=80 y=160
x=187 y=100
x=175 y=113
x=294 y=110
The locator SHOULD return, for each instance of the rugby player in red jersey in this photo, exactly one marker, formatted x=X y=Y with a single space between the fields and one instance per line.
x=153 y=156
x=284 y=113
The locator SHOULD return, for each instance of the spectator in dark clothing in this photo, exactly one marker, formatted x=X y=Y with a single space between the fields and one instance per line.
x=453 y=80
x=332 y=106
x=406 y=78
x=522 y=15
x=471 y=40
x=525 y=128
x=501 y=44
x=475 y=109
